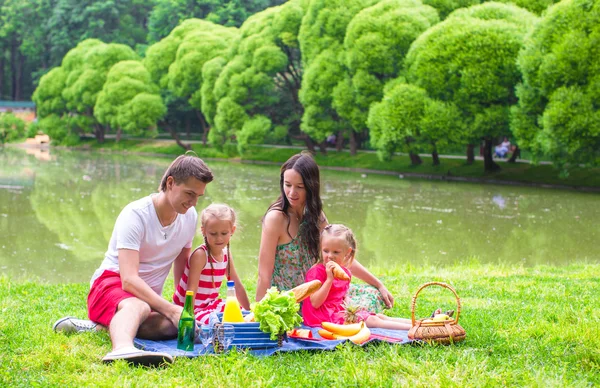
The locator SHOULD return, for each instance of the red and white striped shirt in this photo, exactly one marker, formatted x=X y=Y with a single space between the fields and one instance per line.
x=207 y=294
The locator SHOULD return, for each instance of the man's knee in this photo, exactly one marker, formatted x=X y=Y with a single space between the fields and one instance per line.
x=135 y=306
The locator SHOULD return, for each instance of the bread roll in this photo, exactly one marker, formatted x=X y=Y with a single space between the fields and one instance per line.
x=339 y=273
x=305 y=290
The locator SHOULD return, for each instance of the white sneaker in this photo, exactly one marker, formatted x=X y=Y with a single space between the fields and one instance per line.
x=137 y=356
x=70 y=325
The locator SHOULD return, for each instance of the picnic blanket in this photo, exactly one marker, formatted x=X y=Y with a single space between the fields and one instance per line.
x=292 y=344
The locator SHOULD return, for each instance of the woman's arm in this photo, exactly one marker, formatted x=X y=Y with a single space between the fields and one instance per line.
x=363 y=274
x=240 y=291
x=271 y=231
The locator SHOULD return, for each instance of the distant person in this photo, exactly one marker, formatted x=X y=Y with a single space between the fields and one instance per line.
x=502 y=149
x=338 y=249
x=210 y=263
x=331 y=140
x=149 y=236
x=291 y=229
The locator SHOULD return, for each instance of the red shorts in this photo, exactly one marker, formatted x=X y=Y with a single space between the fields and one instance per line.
x=104 y=297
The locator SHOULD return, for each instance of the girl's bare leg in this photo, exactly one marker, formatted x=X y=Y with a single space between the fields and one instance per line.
x=375 y=322
x=395 y=319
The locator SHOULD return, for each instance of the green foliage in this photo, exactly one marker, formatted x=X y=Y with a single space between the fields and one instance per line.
x=535 y=6
x=11 y=127
x=445 y=7
x=129 y=99
x=559 y=112
x=260 y=80
x=199 y=46
x=48 y=95
x=469 y=60
x=376 y=42
x=86 y=68
x=397 y=117
x=167 y=14
x=254 y=131
x=321 y=39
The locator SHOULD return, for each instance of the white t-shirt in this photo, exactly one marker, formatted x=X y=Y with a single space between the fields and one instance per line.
x=138 y=228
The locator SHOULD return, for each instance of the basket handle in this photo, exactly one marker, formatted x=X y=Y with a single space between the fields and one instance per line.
x=414 y=299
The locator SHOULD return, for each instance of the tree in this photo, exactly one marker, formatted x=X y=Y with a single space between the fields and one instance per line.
x=558 y=113
x=129 y=100
x=255 y=93
x=185 y=73
x=48 y=95
x=469 y=60
x=168 y=14
x=321 y=40
x=377 y=40
x=175 y=64
x=87 y=66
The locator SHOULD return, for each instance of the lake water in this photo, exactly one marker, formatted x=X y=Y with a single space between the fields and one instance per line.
x=57 y=211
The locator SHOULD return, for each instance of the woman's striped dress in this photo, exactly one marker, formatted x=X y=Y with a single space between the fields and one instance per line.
x=207 y=294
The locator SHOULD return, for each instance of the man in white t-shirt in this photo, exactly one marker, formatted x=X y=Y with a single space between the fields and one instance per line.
x=150 y=235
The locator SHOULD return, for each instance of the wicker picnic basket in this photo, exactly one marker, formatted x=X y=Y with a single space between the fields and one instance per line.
x=445 y=332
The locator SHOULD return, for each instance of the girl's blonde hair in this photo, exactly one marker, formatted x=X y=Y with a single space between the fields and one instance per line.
x=221 y=212
x=343 y=232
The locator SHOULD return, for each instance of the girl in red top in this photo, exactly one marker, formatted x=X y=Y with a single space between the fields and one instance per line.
x=338 y=247
x=210 y=263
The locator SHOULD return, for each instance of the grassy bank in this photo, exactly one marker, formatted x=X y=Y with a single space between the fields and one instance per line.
x=525 y=326
x=511 y=172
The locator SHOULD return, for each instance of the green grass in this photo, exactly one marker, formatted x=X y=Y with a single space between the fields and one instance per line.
x=511 y=172
x=525 y=327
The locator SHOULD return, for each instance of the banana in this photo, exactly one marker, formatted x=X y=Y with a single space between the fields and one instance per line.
x=343 y=330
x=440 y=317
x=326 y=334
x=363 y=335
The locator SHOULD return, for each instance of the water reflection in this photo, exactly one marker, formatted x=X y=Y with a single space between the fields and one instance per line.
x=57 y=214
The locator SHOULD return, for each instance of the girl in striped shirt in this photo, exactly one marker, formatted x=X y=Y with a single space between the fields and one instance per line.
x=210 y=263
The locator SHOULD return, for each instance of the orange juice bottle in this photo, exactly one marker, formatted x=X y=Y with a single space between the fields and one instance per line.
x=232 y=312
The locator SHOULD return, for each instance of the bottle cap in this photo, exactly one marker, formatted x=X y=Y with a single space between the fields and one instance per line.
x=230 y=283
x=189 y=293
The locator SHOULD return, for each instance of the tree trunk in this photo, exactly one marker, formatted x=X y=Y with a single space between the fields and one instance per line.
x=119 y=133
x=415 y=159
x=99 y=132
x=353 y=143
x=19 y=76
x=470 y=154
x=309 y=143
x=436 y=157
x=205 y=127
x=1 y=77
x=515 y=154
x=323 y=147
x=13 y=69
x=488 y=162
x=176 y=137
x=339 y=141
x=188 y=127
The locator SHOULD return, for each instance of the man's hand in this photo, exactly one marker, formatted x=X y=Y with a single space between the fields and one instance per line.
x=174 y=314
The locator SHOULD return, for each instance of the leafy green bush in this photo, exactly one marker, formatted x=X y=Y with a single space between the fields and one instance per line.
x=11 y=127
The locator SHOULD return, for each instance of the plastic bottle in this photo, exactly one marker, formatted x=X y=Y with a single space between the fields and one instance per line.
x=232 y=312
x=187 y=324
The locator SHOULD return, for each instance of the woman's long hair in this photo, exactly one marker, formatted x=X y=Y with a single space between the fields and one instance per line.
x=305 y=165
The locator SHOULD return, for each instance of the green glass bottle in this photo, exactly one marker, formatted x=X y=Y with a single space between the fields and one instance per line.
x=187 y=324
